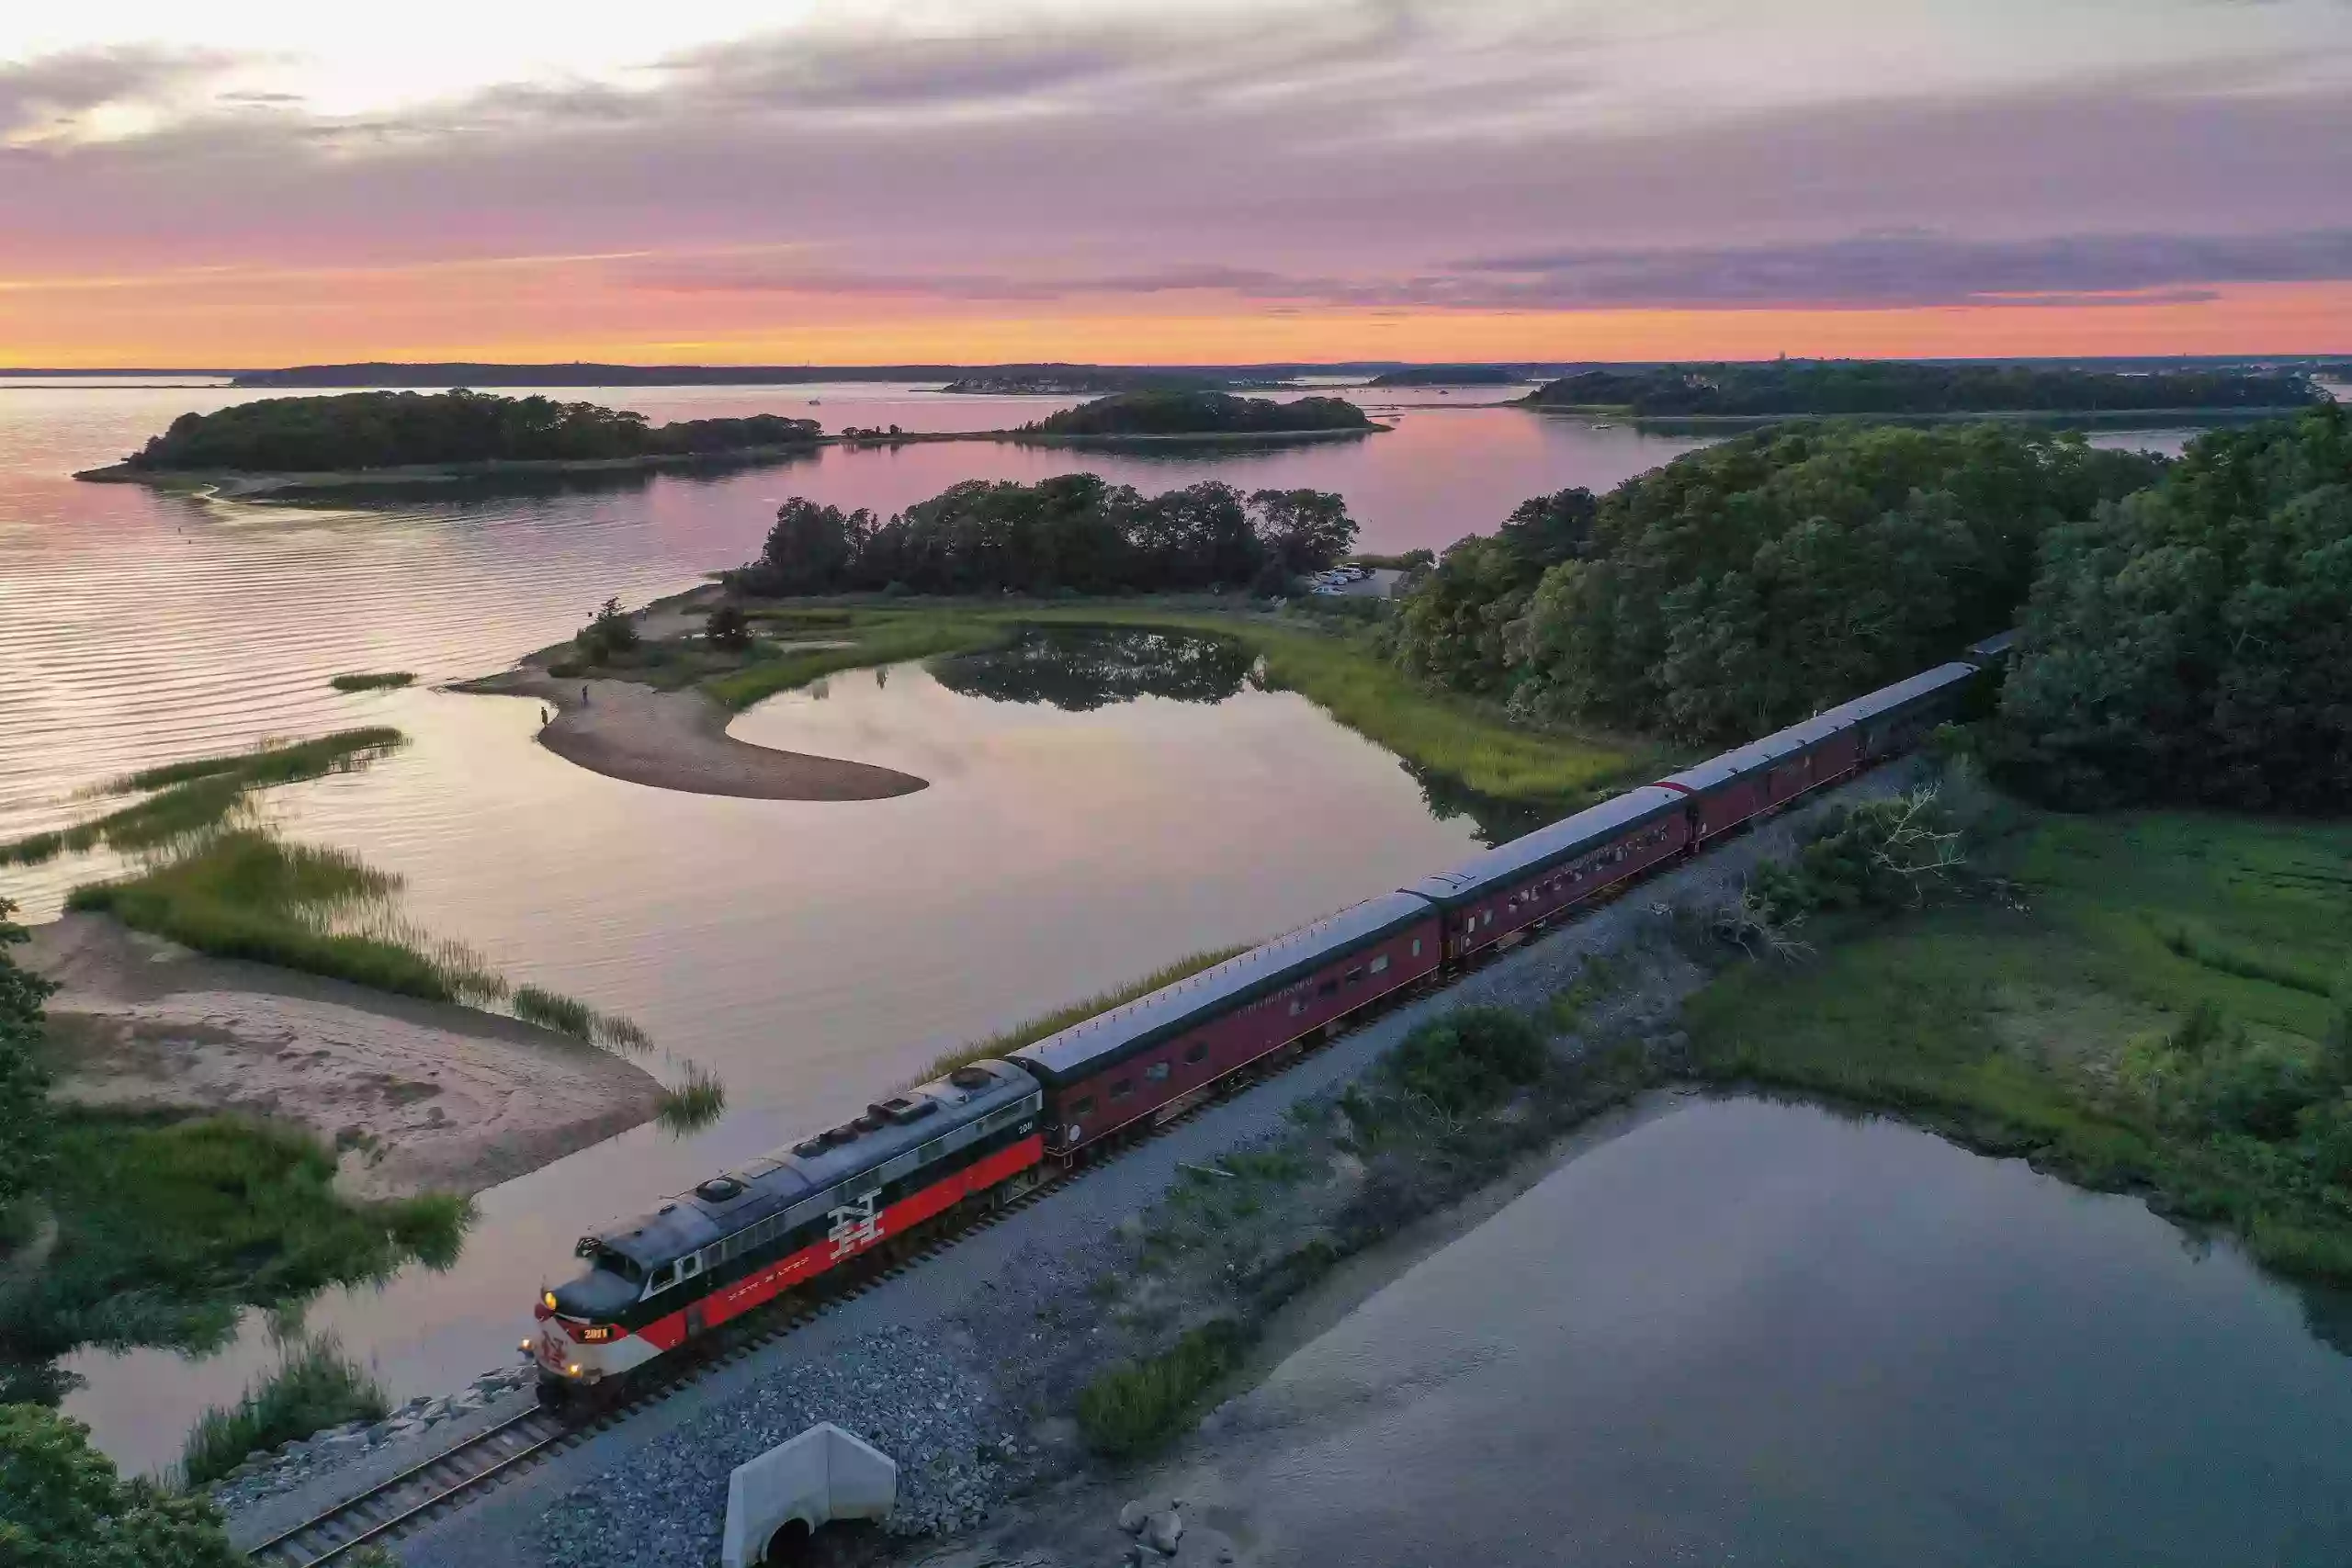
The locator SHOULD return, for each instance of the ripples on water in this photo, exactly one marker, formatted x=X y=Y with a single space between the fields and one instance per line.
x=810 y=953
x=1743 y=1332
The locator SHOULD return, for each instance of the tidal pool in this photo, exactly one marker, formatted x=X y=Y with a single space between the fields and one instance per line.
x=1755 y=1332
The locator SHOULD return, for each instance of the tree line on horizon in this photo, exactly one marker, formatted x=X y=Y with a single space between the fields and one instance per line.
x=1897 y=387
x=376 y=430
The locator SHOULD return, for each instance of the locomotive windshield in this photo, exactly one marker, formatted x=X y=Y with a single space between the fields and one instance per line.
x=615 y=1263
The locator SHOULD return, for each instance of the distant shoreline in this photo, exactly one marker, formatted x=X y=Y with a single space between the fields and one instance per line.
x=2088 y=419
x=236 y=484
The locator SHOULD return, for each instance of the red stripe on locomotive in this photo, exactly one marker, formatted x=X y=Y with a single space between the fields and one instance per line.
x=754 y=1290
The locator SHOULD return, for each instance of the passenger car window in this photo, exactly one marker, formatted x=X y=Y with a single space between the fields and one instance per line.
x=1380 y=963
x=1155 y=1072
x=1122 y=1088
x=1196 y=1050
x=1417 y=947
x=1081 y=1107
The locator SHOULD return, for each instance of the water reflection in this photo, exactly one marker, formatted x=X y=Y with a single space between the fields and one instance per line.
x=1079 y=669
x=1745 y=1332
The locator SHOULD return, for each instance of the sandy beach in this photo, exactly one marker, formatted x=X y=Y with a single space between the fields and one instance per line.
x=678 y=740
x=418 y=1096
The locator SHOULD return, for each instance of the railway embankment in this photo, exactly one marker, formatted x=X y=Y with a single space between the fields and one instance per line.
x=972 y=1367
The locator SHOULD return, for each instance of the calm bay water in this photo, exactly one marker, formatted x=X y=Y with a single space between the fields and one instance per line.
x=808 y=952
x=1752 y=1333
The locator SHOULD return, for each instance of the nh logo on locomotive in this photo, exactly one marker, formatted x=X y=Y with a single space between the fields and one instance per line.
x=855 y=1225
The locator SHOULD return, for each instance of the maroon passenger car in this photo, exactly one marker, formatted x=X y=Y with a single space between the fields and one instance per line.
x=1156 y=1057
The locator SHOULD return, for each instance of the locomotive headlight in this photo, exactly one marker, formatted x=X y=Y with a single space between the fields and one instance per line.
x=549 y=1301
x=574 y=1369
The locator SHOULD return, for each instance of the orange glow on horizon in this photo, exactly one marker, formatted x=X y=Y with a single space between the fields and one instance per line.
x=556 y=313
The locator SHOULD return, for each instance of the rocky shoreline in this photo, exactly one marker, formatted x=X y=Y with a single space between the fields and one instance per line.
x=296 y=1464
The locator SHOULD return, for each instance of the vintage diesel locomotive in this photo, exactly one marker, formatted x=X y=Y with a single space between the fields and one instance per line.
x=988 y=1130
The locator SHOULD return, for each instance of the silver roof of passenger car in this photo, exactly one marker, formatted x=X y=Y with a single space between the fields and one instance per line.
x=689 y=1221
x=1089 y=1046
x=1716 y=772
x=1563 y=839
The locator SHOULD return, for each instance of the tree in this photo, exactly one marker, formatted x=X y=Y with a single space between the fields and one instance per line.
x=23 y=1084
x=728 y=628
x=1303 y=531
x=62 y=1505
x=2193 y=642
x=809 y=549
x=1747 y=586
x=611 y=632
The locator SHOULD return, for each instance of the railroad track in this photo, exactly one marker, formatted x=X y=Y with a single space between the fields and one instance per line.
x=438 y=1486
x=451 y=1479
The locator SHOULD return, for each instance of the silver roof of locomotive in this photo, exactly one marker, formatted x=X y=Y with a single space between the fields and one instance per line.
x=689 y=1221
x=1563 y=839
x=1171 y=1009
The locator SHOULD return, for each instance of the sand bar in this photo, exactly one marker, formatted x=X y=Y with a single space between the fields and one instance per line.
x=419 y=1095
x=678 y=740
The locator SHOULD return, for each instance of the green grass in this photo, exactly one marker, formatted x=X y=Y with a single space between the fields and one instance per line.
x=1129 y=1411
x=192 y=797
x=272 y=762
x=169 y=1224
x=1029 y=1031
x=879 y=639
x=245 y=894
x=2045 y=1030
x=378 y=681
x=568 y=1015
x=692 y=1103
x=1347 y=678
x=1337 y=668
x=314 y=1386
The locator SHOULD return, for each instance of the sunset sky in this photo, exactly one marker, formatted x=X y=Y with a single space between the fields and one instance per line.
x=256 y=182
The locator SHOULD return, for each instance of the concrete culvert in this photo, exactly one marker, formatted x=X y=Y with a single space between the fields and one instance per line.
x=776 y=1502
x=790 y=1544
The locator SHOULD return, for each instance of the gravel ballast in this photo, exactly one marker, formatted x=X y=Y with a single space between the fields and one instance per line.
x=949 y=1367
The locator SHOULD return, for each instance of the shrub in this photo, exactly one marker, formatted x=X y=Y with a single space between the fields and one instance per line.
x=1470 y=1059
x=62 y=1505
x=728 y=628
x=387 y=680
x=611 y=632
x=1131 y=1410
x=315 y=1386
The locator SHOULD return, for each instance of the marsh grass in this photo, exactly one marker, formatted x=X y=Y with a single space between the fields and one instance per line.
x=1131 y=1410
x=314 y=1386
x=377 y=681
x=195 y=796
x=243 y=892
x=2053 y=1030
x=568 y=1015
x=168 y=1225
x=692 y=1103
x=1029 y=1031
x=875 y=638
